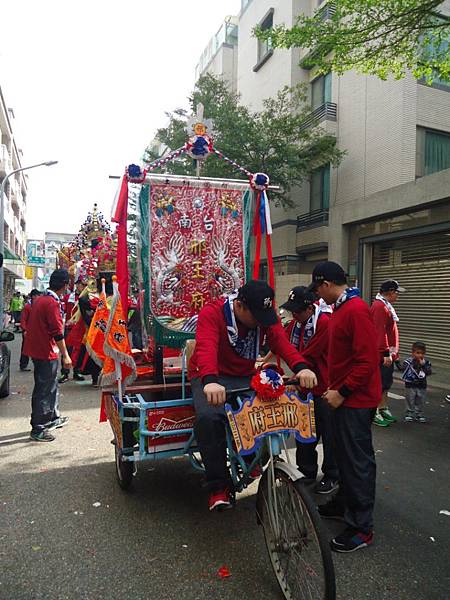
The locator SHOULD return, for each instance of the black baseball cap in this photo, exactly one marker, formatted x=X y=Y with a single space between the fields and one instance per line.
x=258 y=296
x=327 y=271
x=390 y=285
x=299 y=299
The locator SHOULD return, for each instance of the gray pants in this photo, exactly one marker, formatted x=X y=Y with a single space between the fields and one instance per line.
x=210 y=433
x=44 y=401
x=415 y=399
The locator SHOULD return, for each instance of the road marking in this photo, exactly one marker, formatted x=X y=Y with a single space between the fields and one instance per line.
x=395 y=396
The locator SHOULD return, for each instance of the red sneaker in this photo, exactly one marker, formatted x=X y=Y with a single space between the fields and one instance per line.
x=219 y=500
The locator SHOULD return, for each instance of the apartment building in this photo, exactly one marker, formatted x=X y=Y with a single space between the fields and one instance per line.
x=385 y=211
x=15 y=202
x=220 y=56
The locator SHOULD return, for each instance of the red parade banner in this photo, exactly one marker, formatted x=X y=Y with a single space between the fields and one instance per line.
x=197 y=249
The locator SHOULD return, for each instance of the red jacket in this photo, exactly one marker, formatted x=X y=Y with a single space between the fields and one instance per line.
x=45 y=325
x=214 y=355
x=353 y=359
x=25 y=316
x=386 y=327
x=316 y=351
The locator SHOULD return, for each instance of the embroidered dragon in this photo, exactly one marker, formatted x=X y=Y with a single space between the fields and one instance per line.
x=232 y=280
x=166 y=268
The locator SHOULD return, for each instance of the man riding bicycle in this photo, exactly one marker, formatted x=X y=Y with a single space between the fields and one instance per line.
x=230 y=332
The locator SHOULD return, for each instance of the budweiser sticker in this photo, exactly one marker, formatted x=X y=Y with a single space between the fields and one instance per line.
x=171 y=425
x=174 y=418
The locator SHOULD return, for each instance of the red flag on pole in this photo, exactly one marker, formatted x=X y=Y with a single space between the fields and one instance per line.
x=120 y=217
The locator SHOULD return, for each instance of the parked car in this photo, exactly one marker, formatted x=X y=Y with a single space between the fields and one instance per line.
x=5 y=362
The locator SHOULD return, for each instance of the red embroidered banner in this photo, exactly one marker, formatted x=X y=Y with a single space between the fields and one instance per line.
x=196 y=249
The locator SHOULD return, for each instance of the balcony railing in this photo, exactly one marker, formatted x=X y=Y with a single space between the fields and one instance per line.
x=315 y=218
x=327 y=11
x=325 y=112
x=5 y=159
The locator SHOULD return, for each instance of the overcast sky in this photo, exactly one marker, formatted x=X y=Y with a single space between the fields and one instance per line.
x=89 y=82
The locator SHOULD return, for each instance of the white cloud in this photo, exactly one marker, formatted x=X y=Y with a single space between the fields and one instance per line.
x=89 y=83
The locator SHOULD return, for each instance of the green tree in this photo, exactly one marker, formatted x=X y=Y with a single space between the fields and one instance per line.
x=281 y=140
x=376 y=37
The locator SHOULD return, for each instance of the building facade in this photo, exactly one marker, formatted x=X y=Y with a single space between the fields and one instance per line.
x=385 y=211
x=220 y=57
x=14 y=202
x=53 y=242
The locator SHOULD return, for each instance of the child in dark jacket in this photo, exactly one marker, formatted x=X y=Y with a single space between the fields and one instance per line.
x=416 y=368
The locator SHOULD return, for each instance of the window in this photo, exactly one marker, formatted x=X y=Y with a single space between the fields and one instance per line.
x=319 y=195
x=321 y=91
x=264 y=47
x=433 y=151
x=435 y=50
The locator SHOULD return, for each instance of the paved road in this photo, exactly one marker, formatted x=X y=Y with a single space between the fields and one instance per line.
x=159 y=542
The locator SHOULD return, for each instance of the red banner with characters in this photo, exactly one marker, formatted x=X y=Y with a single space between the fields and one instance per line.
x=196 y=249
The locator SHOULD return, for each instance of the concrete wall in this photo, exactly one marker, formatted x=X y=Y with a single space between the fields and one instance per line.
x=224 y=65
x=281 y=68
x=376 y=126
x=433 y=108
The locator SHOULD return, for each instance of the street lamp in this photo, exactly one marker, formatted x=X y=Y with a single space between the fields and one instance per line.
x=49 y=163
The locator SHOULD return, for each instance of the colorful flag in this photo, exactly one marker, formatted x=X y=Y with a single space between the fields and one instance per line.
x=119 y=364
x=96 y=335
x=120 y=217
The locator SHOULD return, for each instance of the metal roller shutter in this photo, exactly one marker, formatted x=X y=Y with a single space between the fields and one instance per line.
x=422 y=265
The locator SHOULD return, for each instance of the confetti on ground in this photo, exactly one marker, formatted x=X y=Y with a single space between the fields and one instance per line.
x=445 y=512
x=97 y=504
x=223 y=572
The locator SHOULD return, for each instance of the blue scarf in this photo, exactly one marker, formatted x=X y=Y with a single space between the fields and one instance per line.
x=247 y=347
x=308 y=332
x=347 y=294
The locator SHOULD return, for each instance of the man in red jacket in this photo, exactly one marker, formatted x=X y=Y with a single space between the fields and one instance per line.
x=385 y=320
x=230 y=332
x=353 y=392
x=24 y=359
x=44 y=341
x=308 y=331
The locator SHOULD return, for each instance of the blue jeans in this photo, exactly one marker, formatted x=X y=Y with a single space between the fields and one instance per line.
x=44 y=400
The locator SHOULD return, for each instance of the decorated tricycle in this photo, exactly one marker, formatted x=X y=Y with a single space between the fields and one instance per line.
x=194 y=247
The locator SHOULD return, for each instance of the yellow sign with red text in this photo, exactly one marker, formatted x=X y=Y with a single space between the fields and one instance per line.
x=257 y=418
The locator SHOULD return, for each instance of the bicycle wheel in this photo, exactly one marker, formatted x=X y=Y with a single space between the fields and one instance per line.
x=298 y=548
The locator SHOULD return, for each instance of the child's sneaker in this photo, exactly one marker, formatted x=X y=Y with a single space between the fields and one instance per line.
x=421 y=419
x=409 y=419
x=378 y=420
x=387 y=415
